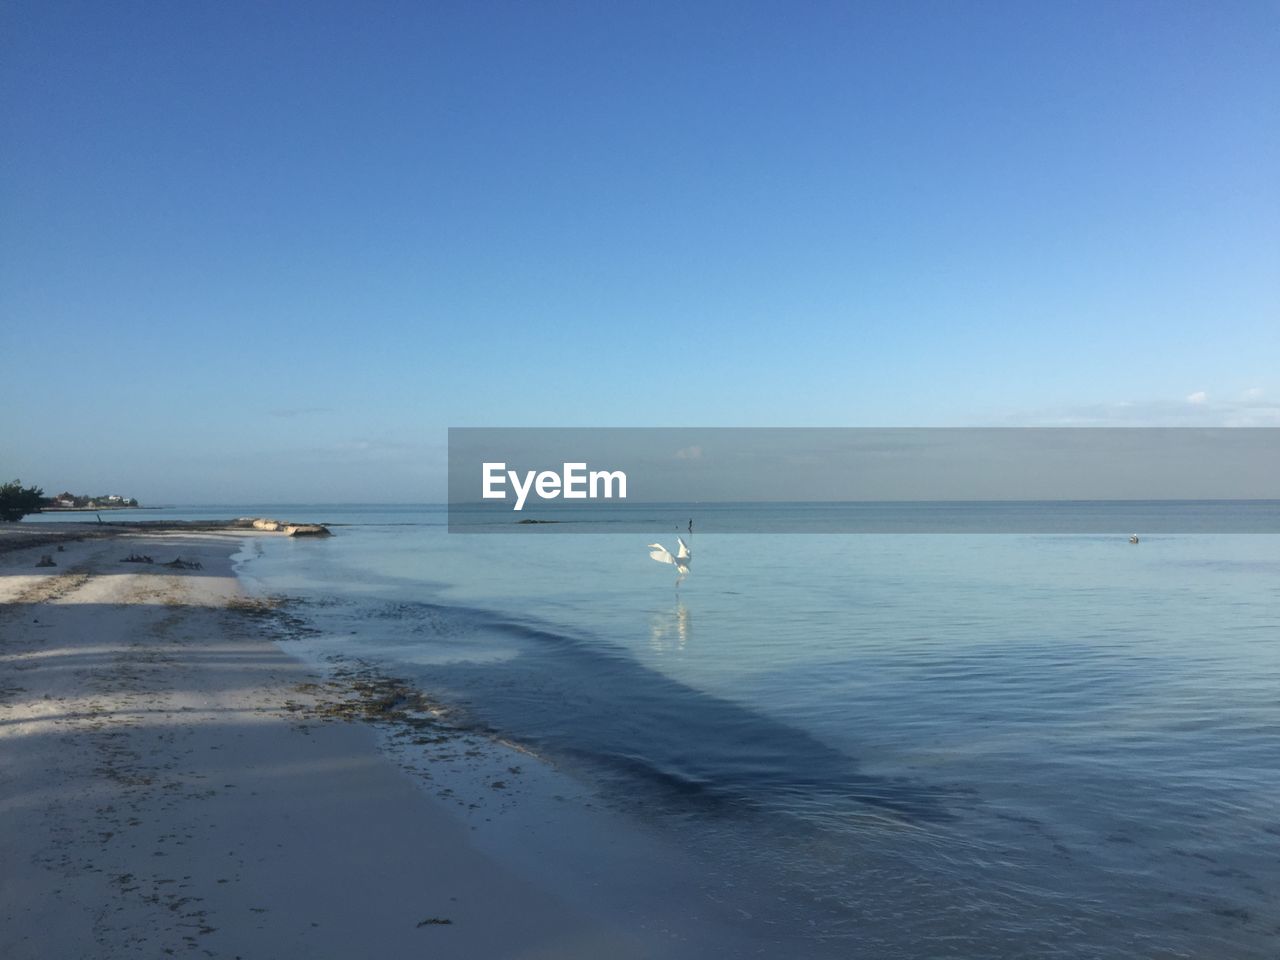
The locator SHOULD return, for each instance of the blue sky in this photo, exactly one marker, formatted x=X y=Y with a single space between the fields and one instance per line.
x=272 y=251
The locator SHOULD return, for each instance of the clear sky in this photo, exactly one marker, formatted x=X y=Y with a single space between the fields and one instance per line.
x=271 y=251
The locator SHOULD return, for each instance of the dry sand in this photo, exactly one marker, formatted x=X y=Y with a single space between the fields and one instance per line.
x=162 y=794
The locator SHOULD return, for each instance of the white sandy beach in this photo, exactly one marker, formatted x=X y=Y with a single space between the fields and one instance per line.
x=159 y=797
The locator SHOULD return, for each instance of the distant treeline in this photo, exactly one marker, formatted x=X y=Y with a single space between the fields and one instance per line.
x=68 y=501
x=16 y=501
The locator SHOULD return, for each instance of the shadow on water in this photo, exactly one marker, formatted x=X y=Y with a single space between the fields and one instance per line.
x=587 y=703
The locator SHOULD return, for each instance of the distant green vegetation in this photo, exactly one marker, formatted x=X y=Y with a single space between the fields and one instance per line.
x=76 y=501
x=16 y=501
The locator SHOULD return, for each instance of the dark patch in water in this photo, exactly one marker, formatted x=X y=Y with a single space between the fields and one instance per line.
x=582 y=701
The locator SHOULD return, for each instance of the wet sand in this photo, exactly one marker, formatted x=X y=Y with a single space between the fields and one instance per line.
x=169 y=787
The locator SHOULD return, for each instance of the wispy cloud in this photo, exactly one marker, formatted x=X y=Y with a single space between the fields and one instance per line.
x=1199 y=397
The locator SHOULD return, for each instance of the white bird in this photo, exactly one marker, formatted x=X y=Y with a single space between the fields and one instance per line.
x=682 y=559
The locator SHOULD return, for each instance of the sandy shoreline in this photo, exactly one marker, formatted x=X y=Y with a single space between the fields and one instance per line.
x=20 y=536
x=168 y=787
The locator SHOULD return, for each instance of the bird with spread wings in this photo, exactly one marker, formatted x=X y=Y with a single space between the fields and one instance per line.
x=683 y=555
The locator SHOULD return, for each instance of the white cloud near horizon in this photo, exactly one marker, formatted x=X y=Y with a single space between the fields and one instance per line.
x=1251 y=409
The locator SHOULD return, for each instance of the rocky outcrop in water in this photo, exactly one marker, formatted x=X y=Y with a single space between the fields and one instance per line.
x=307 y=530
x=289 y=529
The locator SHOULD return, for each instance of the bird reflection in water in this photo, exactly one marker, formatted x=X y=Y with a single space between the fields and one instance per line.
x=669 y=631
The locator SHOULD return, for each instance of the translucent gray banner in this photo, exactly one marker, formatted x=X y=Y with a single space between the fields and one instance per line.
x=864 y=480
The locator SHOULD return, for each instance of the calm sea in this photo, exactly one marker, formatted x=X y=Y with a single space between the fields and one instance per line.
x=968 y=745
